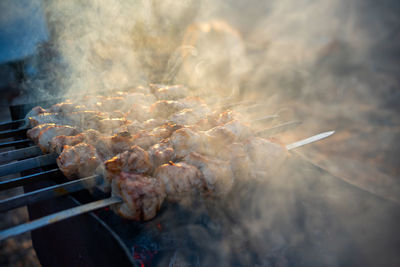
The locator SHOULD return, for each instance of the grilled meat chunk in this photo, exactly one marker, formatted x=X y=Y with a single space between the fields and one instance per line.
x=185 y=141
x=171 y=92
x=145 y=139
x=139 y=99
x=65 y=108
x=218 y=176
x=138 y=112
x=110 y=126
x=134 y=160
x=165 y=108
x=36 y=111
x=78 y=161
x=87 y=119
x=49 y=133
x=33 y=133
x=142 y=196
x=58 y=142
x=43 y=118
x=180 y=180
x=162 y=152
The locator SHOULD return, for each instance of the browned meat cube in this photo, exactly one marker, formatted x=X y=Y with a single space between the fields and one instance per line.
x=218 y=176
x=44 y=118
x=58 y=142
x=134 y=160
x=171 y=92
x=162 y=152
x=49 y=133
x=186 y=141
x=138 y=112
x=180 y=180
x=78 y=161
x=142 y=196
x=33 y=133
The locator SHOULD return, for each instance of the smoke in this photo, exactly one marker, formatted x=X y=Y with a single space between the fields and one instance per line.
x=325 y=59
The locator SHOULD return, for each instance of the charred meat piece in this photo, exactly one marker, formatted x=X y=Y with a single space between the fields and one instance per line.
x=187 y=117
x=44 y=118
x=171 y=92
x=217 y=138
x=109 y=146
x=142 y=196
x=180 y=179
x=185 y=141
x=58 y=142
x=162 y=153
x=165 y=108
x=65 y=108
x=110 y=126
x=134 y=160
x=89 y=136
x=49 y=133
x=33 y=133
x=87 y=119
x=139 y=99
x=145 y=139
x=36 y=111
x=78 y=161
x=138 y=112
x=218 y=176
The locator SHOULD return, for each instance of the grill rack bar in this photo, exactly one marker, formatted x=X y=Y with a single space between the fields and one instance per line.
x=49 y=192
x=14 y=133
x=19 y=154
x=59 y=216
x=10 y=124
x=21 y=181
x=27 y=164
x=23 y=142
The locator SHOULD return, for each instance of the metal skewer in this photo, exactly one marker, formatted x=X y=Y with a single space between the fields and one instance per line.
x=59 y=216
x=27 y=164
x=14 y=143
x=10 y=124
x=20 y=181
x=309 y=140
x=49 y=192
x=44 y=221
x=13 y=133
x=18 y=154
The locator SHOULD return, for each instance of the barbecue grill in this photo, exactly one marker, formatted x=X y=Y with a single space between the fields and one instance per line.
x=314 y=219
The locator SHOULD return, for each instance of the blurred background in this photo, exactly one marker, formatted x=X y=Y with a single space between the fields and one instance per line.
x=333 y=64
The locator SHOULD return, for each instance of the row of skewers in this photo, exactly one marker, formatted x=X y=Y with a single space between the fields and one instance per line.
x=153 y=144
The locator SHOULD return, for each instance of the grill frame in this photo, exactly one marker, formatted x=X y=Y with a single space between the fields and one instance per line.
x=93 y=241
